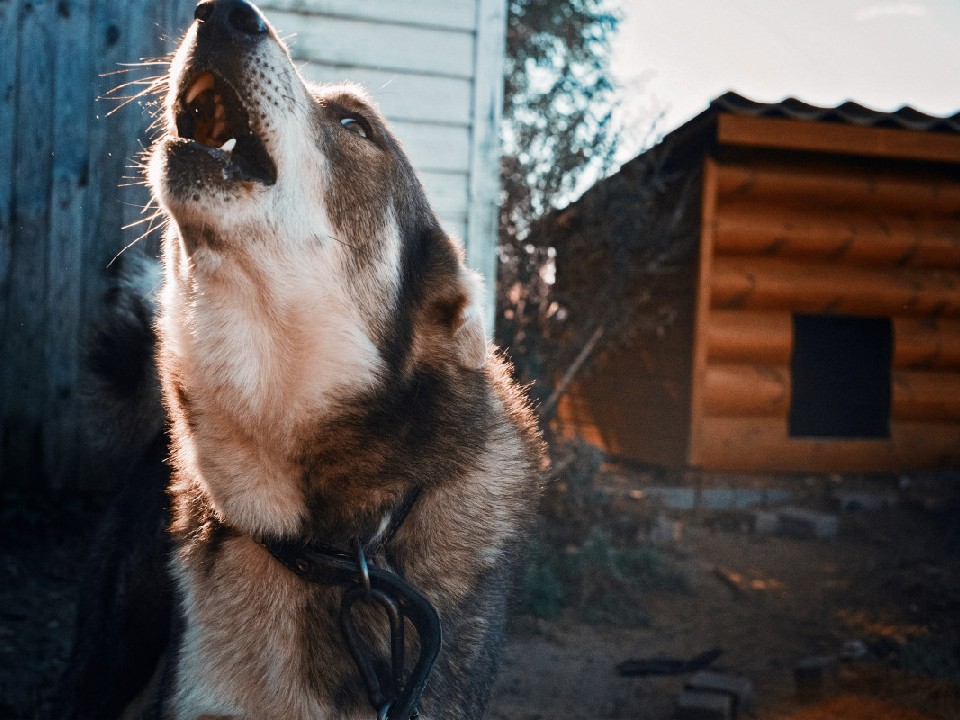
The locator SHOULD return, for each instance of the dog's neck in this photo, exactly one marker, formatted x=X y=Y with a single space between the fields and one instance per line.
x=256 y=354
x=275 y=341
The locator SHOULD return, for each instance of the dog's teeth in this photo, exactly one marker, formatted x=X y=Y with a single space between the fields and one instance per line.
x=229 y=145
x=202 y=83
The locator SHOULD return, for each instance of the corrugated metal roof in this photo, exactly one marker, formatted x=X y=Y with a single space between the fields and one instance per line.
x=851 y=113
x=687 y=142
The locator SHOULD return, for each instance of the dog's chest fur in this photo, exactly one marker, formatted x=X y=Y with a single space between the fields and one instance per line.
x=258 y=635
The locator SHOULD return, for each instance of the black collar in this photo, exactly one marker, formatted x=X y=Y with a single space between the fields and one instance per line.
x=396 y=697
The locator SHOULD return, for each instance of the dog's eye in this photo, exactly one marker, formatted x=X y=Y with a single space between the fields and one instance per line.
x=354 y=126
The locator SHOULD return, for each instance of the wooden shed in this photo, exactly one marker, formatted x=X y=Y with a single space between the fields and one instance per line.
x=817 y=323
x=67 y=165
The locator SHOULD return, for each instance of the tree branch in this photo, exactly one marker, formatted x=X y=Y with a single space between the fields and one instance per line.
x=571 y=372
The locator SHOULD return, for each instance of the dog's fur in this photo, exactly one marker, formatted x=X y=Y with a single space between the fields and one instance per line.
x=321 y=355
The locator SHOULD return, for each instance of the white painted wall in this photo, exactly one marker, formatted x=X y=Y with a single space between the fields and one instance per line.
x=435 y=67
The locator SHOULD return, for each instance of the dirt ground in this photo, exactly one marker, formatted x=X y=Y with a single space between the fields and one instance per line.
x=889 y=582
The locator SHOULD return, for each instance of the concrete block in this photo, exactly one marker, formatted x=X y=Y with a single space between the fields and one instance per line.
x=855 y=500
x=666 y=531
x=815 y=674
x=855 y=650
x=766 y=522
x=801 y=522
x=738 y=688
x=695 y=705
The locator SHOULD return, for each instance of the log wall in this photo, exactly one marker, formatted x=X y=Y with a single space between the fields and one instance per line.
x=806 y=234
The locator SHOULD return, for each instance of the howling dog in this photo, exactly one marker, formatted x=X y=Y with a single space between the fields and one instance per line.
x=352 y=469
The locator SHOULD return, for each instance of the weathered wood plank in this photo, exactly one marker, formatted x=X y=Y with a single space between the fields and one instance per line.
x=405 y=96
x=140 y=40
x=173 y=19
x=9 y=42
x=25 y=369
x=64 y=286
x=458 y=15
x=164 y=24
x=354 y=43
x=110 y=143
x=484 y=188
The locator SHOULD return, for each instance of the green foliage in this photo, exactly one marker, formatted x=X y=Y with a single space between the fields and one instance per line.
x=585 y=557
x=931 y=656
x=558 y=101
x=541 y=593
x=599 y=582
x=558 y=136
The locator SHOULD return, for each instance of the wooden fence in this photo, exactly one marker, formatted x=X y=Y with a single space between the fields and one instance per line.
x=67 y=157
x=64 y=157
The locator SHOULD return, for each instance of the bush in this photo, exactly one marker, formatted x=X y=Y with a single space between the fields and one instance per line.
x=587 y=556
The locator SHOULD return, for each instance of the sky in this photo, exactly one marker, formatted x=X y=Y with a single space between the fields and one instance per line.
x=673 y=56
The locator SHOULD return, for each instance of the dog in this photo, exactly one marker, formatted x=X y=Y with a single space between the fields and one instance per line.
x=352 y=470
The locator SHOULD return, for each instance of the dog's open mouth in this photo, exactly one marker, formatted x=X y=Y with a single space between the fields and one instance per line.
x=211 y=117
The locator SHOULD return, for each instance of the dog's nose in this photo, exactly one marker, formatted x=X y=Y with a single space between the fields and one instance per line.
x=238 y=17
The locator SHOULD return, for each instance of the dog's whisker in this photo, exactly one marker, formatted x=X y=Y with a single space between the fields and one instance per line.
x=140 y=237
x=336 y=239
x=150 y=90
x=149 y=82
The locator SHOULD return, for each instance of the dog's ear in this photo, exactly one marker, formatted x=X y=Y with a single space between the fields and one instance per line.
x=450 y=329
x=469 y=333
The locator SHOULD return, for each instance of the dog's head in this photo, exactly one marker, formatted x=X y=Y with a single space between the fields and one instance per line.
x=280 y=183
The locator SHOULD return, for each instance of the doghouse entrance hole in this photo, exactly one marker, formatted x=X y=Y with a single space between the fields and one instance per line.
x=841 y=376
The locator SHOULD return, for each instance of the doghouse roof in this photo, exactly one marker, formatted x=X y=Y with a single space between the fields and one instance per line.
x=734 y=119
x=737 y=120
x=851 y=113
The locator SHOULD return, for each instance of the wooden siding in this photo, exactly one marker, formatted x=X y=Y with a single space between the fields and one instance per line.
x=800 y=235
x=435 y=69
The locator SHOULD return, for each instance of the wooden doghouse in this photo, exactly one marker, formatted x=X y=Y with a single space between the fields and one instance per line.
x=818 y=310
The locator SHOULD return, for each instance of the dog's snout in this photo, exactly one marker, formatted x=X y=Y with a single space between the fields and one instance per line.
x=238 y=17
